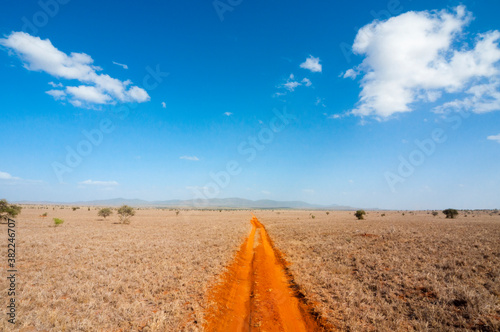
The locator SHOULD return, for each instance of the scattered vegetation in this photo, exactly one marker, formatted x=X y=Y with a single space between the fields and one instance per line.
x=125 y=212
x=104 y=212
x=74 y=208
x=450 y=213
x=360 y=214
x=434 y=213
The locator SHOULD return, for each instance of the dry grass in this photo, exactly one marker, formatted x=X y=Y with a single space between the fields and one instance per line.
x=395 y=273
x=92 y=274
x=399 y=273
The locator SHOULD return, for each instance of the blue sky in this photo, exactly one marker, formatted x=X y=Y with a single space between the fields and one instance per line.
x=388 y=104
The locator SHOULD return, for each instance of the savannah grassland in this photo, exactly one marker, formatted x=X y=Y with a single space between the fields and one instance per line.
x=394 y=272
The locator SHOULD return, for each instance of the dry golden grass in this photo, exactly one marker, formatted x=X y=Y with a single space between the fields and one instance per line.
x=395 y=273
x=399 y=273
x=91 y=274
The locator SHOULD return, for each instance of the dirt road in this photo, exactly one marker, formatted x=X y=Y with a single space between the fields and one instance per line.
x=256 y=293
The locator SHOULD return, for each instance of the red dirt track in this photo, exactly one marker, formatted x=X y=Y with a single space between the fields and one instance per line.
x=255 y=294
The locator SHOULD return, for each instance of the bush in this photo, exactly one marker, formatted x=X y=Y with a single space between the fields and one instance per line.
x=383 y=214
x=8 y=210
x=75 y=208
x=313 y=216
x=450 y=213
x=434 y=213
x=359 y=214
x=125 y=212
x=327 y=212
x=58 y=221
x=105 y=212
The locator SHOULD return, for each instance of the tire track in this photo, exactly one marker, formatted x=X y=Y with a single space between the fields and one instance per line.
x=257 y=292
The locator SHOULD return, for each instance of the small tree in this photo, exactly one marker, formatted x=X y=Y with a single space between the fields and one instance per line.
x=105 y=212
x=450 y=213
x=125 y=212
x=58 y=222
x=359 y=214
x=8 y=210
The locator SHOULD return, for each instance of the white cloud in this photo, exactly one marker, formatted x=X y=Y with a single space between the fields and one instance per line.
x=99 y=183
x=7 y=176
x=291 y=85
x=416 y=57
x=192 y=158
x=121 y=65
x=57 y=94
x=319 y=101
x=90 y=94
x=350 y=73
x=334 y=116
x=228 y=113
x=41 y=55
x=312 y=64
x=309 y=191
x=163 y=104
x=494 y=138
x=306 y=81
x=54 y=85
x=265 y=192
x=480 y=98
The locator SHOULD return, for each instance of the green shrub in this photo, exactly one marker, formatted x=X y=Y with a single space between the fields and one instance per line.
x=434 y=213
x=327 y=212
x=360 y=214
x=58 y=221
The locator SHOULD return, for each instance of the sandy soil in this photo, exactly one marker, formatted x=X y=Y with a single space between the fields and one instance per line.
x=256 y=294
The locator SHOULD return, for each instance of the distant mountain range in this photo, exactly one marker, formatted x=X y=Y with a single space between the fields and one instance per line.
x=232 y=203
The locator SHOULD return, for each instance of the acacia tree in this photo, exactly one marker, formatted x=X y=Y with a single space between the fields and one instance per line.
x=450 y=213
x=360 y=214
x=105 y=212
x=125 y=212
x=8 y=210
